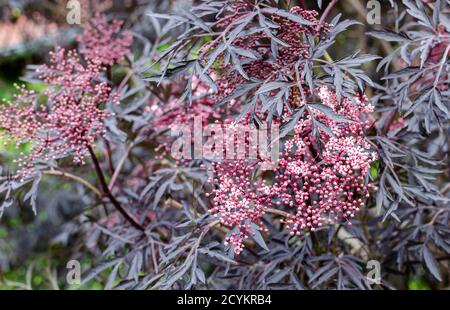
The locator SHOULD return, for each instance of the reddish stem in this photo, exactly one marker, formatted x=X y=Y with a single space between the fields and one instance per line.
x=108 y=193
x=326 y=13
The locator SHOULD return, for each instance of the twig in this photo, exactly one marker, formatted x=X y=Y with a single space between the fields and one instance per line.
x=109 y=156
x=119 y=166
x=443 y=61
x=75 y=178
x=125 y=80
x=326 y=13
x=445 y=189
x=108 y=193
x=278 y=212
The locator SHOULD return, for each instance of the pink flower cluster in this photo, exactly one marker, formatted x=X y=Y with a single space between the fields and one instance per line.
x=325 y=185
x=306 y=176
x=104 y=43
x=236 y=200
x=315 y=184
x=281 y=63
x=67 y=117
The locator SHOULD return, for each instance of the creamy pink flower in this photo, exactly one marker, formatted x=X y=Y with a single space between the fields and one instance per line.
x=315 y=184
x=103 y=43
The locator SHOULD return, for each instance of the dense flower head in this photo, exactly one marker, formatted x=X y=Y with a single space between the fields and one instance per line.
x=315 y=183
x=104 y=43
x=325 y=184
x=65 y=119
x=317 y=180
x=69 y=119
x=236 y=202
x=67 y=75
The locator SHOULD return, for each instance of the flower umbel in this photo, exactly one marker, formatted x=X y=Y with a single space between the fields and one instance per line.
x=315 y=183
x=103 y=43
x=65 y=119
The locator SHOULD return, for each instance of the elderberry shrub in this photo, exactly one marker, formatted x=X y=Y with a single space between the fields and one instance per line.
x=149 y=124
